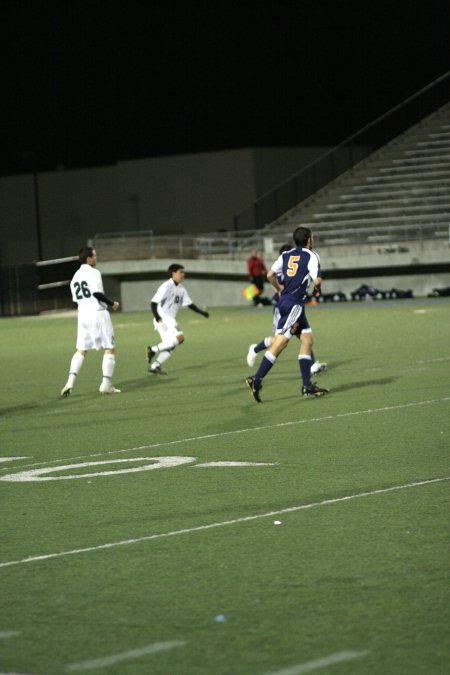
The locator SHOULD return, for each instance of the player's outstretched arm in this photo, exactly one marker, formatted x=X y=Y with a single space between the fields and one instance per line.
x=203 y=312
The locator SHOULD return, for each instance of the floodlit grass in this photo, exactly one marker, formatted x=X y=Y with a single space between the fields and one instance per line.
x=355 y=572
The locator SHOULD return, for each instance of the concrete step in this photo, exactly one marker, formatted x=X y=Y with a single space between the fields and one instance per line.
x=425 y=169
x=367 y=192
x=427 y=202
x=424 y=210
x=419 y=161
x=390 y=220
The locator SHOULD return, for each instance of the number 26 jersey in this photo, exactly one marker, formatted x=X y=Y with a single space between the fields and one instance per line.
x=85 y=282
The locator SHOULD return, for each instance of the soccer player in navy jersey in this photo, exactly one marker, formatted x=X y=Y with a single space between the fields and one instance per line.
x=254 y=349
x=297 y=267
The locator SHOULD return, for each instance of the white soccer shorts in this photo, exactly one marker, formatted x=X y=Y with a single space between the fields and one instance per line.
x=167 y=328
x=95 y=331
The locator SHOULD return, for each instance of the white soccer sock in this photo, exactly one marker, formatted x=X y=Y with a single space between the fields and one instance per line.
x=162 y=356
x=75 y=367
x=165 y=346
x=108 y=365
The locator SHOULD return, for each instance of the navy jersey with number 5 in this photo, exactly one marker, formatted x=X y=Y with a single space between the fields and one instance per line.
x=297 y=268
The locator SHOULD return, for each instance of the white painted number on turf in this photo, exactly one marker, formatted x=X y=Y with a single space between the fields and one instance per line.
x=150 y=463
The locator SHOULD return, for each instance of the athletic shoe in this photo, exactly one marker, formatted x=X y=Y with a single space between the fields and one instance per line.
x=314 y=390
x=108 y=389
x=65 y=391
x=251 y=356
x=318 y=367
x=150 y=354
x=157 y=370
x=255 y=389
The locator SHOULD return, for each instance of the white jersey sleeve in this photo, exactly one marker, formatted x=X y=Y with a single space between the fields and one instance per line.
x=314 y=265
x=277 y=266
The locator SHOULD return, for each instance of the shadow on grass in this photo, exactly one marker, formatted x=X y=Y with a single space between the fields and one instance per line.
x=364 y=383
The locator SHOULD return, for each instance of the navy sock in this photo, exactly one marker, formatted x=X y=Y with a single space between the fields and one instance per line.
x=260 y=346
x=305 y=364
x=266 y=364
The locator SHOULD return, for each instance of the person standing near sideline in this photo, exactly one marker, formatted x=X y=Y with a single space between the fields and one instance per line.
x=257 y=275
x=297 y=267
x=95 y=329
x=166 y=302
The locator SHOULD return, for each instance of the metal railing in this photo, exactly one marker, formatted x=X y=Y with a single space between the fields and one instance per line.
x=301 y=185
x=236 y=245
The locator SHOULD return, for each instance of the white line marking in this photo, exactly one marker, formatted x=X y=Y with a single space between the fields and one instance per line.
x=13 y=459
x=38 y=474
x=105 y=661
x=7 y=634
x=309 y=666
x=239 y=431
x=210 y=526
x=231 y=463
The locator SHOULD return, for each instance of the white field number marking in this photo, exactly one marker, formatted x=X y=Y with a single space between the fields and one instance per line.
x=105 y=661
x=324 y=662
x=150 y=463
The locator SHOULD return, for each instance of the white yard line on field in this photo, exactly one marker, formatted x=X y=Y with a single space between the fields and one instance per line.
x=105 y=661
x=323 y=662
x=222 y=434
x=4 y=634
x=210 y=526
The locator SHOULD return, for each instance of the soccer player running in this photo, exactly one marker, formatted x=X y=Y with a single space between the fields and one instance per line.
x=297 y=267
x=166 y=302
x=254 y=349
x=95 y=328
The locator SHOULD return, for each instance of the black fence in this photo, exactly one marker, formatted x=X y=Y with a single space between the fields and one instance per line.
x=19 y=290
x=36 y=287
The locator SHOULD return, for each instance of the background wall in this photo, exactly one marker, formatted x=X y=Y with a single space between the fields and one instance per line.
x=169 y=195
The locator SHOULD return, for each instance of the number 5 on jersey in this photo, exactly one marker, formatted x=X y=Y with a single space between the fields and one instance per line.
x=292 y=265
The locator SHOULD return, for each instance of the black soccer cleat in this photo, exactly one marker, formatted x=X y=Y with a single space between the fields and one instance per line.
x=157 y=370
x=254 y=388
x=314 y=390
x=150 y=354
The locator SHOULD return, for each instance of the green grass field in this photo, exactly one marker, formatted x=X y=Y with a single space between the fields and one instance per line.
x=130 y=544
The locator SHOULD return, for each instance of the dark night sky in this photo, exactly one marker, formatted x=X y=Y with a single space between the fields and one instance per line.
x=92 y=82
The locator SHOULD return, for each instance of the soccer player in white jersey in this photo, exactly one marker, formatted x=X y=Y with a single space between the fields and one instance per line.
x=166 y=302
x=297 y=268
x=95 y=330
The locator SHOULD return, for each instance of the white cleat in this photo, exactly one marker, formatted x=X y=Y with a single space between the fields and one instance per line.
x=318 y=367
x=108 y=389
x=251 y=356
x=65 y=391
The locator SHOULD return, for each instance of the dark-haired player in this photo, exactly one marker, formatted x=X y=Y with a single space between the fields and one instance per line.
x=297 y=267
x=95 y=329
x=254 y=349
x=166 y=302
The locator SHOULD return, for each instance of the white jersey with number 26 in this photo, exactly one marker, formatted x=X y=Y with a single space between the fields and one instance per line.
x=85 y=282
